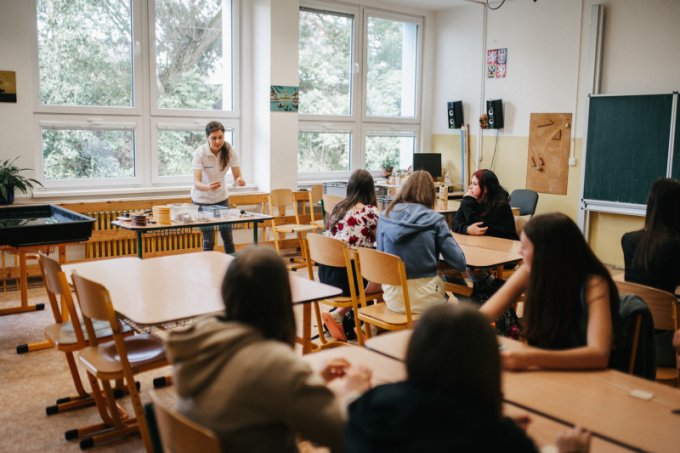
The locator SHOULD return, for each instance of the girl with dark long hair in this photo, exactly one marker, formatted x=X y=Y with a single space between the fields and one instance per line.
x=571 y=306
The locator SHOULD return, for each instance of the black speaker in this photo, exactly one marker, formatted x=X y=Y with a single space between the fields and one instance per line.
x=455 y=114
x=494 y=109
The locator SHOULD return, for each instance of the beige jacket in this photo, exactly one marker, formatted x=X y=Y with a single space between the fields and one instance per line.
x=256 y=394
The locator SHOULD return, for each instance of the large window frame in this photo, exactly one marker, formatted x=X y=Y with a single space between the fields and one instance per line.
x=143 y=116
x=358 y=121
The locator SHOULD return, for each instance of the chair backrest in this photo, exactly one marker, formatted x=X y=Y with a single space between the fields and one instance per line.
x=325 y=250
x=662 y=304
x=57 y=286
x=525 y=200
x=519 y=225
x=178 y=433
x=95 y=303
x=315 y=197
x=385 y=269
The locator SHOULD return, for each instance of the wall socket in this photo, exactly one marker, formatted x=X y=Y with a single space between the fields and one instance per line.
x=572 y=161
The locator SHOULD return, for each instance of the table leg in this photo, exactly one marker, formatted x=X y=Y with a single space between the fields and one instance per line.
x=256 y=225
x=139 y=244
x=306 y=328
x=23 y=289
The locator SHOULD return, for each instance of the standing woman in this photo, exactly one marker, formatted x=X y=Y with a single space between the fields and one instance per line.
x=485 y=209
x=652 y=255
x=211 y=164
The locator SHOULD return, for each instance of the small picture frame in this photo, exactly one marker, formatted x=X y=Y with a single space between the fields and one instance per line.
x=8 y=86
x=283 y=99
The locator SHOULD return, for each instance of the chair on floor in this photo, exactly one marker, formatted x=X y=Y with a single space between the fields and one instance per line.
x=279 y=202
x=179 y=434
x=316 y=200
x=332 y=252
x=385 y=269
x=122 y=358
x=328 y=203
x=663 y=307
x=65 y=334
x=525 y=200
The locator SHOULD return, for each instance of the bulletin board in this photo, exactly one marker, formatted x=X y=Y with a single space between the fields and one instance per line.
x=548 y=158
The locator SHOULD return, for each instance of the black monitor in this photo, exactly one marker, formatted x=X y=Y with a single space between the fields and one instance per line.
x=431 y=162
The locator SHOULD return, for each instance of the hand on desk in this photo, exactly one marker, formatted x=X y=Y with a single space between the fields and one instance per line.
x=357 y=379
x=476 y=229
x=575 y=440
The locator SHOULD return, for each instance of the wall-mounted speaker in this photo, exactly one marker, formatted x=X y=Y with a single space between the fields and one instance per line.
x=494 y=110
x=455 y=111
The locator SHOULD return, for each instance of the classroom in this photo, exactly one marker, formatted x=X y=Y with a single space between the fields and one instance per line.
x=540 y=59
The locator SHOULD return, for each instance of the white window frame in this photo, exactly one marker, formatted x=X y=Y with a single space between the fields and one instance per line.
x=141 y=113
x=362 y=124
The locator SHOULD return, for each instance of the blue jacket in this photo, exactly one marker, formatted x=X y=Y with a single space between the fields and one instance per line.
x=419 y=236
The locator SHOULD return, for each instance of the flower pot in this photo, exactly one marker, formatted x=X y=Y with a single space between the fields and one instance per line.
x=10 y=196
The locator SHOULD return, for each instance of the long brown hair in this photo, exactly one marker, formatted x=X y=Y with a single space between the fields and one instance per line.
x=454 y=350
x=662 y=222
x=266 y=306
x=360 y=189
x=418 y=188
x=562 y=263
x=493 y=194
x=226 y=150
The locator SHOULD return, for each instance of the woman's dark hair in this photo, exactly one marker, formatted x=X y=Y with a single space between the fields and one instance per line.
x=226 y=150
x=662 y=222
x=454 y=350
x=561 y=265
x=418 y=188
x=493 y=194
x=256 y=291
x=360 y=189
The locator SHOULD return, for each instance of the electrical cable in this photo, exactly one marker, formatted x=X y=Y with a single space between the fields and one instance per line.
x=492 y=8
x=495 y=149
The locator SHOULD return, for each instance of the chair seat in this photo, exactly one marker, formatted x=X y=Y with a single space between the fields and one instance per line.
x=293 y=228
x=142 y=350
x=64 y=335
x=383 y=315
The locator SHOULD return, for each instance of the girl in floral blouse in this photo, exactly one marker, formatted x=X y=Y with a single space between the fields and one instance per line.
x=354 y=220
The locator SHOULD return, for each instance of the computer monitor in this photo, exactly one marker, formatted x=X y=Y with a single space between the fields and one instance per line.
x=431 y=162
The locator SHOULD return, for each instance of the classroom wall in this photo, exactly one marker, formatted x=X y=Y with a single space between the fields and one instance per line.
x=548 y=46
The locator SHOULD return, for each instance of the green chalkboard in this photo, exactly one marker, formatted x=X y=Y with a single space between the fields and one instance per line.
x=676 y=146
x=627 y=146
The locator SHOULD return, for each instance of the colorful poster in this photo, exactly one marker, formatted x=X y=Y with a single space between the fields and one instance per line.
x=283 y=99
x=8 y=86
x=496 y=63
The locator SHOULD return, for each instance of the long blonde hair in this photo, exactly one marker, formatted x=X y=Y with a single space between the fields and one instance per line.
x=419 y=188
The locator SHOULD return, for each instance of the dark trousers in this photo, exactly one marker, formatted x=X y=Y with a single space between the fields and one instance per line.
x=225 y=231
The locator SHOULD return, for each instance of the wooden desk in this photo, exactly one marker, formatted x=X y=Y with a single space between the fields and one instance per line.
x=488 y=242
x=543 y=430
x=596 y=400
x=211 y=223
x=172 y=288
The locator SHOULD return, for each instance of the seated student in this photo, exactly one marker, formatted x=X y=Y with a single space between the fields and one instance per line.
x=571 y=308
x=354 y=220
x=238 y=374
x=652 y=255
x=485 y=209
x=410 y=229
x=451 y=399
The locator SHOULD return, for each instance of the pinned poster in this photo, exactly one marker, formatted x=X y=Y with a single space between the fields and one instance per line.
x=496 y=63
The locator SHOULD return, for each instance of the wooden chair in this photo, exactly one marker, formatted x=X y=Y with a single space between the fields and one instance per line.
x=663 y=307
x=121 y=358
x=385 y=269
x=179 y=434
x=279 y=201
x=64 y=333
x=332 y=252
x=315 y=199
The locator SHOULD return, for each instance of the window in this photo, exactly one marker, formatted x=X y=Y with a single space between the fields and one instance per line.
x=105 y=114
x=359 y=89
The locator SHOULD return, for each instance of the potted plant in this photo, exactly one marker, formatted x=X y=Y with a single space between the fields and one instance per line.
x=11 y=179
x=387 y=165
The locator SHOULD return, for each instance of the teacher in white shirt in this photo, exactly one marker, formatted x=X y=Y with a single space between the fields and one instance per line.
x=211 y=163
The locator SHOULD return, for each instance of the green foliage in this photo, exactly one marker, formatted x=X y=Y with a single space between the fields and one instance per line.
x=10 y=177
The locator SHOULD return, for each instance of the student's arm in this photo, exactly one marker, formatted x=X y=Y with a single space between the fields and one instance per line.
x=450 y=250
x=467 y=216
x=198 y=182
x=594 y=355
x=506 y=295
x=238 y=179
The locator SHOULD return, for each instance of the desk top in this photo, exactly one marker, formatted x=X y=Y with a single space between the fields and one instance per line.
x=386 y=370
x=488 y=242
x=596 y=400
x=248 y=217
x=171 y=288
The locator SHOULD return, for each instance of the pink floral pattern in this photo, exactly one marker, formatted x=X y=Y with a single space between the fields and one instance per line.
x=357 y=228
